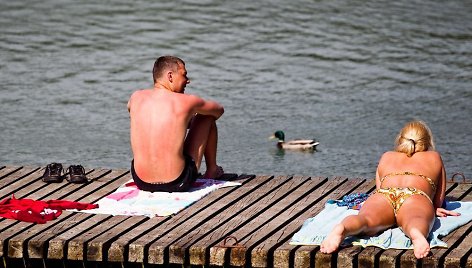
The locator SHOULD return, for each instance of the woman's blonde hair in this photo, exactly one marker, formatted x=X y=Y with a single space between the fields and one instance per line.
x=414 y=137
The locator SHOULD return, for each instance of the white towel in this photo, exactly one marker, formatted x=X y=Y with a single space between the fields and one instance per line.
x=314 y=230
x=129 y=200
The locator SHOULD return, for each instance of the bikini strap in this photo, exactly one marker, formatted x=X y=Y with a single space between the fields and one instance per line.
x=428 y=179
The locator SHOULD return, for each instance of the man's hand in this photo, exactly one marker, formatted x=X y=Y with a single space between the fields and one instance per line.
x=442 y=212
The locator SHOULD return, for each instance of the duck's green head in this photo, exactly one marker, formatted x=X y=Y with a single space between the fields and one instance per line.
x=279 y=134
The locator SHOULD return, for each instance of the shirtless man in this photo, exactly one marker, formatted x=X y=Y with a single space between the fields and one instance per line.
x=166 y=157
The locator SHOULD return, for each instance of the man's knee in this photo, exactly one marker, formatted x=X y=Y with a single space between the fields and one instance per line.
x=202 y=117
x=203 y=121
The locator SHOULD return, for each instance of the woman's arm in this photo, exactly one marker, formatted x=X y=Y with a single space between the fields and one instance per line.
x=440 y=195
x=440 y=188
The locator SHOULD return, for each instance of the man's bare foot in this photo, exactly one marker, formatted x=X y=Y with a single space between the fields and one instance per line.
x=420 y=247
x=333 y=240
x=214 y=173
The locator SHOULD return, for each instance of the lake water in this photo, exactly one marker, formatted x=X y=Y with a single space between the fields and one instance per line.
x=348 y=73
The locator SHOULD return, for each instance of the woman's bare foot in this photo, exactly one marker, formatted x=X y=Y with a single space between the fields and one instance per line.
x=214 y=173
x=333 y=240
x=420 y=247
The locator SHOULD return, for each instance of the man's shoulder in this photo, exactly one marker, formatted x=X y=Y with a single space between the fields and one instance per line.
x=140 y=93
x=190 y=98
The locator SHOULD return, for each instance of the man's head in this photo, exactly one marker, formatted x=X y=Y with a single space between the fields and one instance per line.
x=170 y=72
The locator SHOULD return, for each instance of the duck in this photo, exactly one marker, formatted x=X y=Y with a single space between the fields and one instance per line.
x=293 y=144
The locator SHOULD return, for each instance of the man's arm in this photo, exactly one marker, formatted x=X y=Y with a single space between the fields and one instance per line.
x=129 y=102
x=207 y=107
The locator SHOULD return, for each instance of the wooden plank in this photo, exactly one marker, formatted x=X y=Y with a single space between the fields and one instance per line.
x=369 y=256
x=55 y=243
x=455 y=258
x=235 y=216
x=77 y=247
x=7 y=171
x=290 y=255
x=17 y=179
x=322 y=260
x=21 y=241
x=23 y=230
x=97 y=248
x=255 y=228
x=240 y=200
x=138 y=249
x=131 y=246
x=118 y=250
x=259 y=244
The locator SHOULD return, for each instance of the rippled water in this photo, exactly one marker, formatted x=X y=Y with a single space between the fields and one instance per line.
x=349 y=73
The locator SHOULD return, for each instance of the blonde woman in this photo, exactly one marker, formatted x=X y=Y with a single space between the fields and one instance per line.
x=410 y=190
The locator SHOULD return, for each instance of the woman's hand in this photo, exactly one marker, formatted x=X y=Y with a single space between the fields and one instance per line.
x=442 y=212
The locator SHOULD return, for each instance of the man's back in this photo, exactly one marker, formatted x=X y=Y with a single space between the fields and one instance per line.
x=159 y=120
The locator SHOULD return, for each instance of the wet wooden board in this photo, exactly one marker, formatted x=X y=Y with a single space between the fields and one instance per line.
x=262 y=214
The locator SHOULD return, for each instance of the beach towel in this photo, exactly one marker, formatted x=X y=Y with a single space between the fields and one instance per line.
x=314 y=230
x=130 y=201
x=37 y=211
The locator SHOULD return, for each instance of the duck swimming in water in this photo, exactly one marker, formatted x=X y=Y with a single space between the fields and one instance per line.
x=293 y=144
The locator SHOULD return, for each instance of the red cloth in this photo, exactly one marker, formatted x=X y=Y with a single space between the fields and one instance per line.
x=38 y=211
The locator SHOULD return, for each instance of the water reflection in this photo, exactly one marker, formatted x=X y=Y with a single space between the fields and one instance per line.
x=280 y=154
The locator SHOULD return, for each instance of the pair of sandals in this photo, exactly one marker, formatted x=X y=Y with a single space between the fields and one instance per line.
x=54 y=173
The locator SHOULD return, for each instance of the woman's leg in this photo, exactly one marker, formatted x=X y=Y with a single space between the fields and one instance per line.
x=375 y=215
x=416 y=218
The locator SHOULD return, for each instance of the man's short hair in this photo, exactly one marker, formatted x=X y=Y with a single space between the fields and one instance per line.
x=164 y=63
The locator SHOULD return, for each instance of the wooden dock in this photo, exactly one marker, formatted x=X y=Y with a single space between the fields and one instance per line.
x=262 y=214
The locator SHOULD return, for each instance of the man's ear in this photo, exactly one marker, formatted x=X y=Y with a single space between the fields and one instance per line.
x=169 y=76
